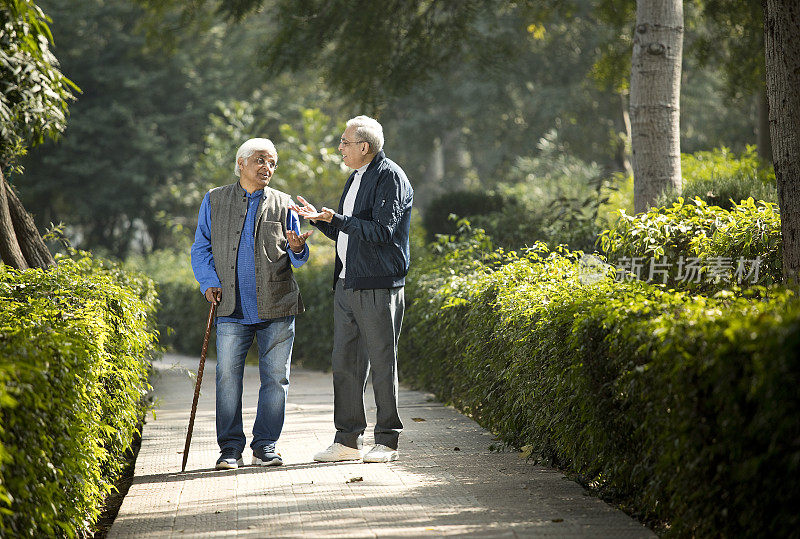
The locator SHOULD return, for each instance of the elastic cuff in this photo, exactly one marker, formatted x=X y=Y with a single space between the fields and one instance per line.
x=337 y=220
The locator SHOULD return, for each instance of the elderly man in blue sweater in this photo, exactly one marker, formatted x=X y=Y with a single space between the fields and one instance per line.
x=247 y=241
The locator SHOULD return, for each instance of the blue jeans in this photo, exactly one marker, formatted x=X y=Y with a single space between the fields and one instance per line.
x=275 y=339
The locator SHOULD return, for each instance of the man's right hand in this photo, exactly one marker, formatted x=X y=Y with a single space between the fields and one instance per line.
x=308 y=211
x=213 y=295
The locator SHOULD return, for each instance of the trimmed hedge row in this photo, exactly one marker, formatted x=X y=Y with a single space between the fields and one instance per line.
x=682 y=408
x=74 y=347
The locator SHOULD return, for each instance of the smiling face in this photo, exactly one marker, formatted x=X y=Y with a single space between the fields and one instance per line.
x=257 y=170
x=355 y=152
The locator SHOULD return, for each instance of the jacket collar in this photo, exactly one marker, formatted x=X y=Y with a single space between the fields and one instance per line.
x=377 y=160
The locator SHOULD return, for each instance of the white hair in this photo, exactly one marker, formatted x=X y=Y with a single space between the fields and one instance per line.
x=250 y=147
x=369 y=130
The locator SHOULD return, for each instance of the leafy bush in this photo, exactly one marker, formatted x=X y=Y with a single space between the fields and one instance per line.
x=554 y=198
x=683 y=408
x=565 y=221
x=465 y=203
x=704 y=248
x=723 y=178
x=74 y=348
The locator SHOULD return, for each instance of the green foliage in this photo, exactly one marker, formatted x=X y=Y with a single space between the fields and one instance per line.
x=718 y=240
x=33 y=92
x=313 y=341
x=311 y=166
x=182 y=310
x=436 y=216
x=722 y=178
x=681 y=408
x=398 y=51
x=74 y=347
x=730 y=34
x=553 y=198
x=132 y=134
x=121 y=176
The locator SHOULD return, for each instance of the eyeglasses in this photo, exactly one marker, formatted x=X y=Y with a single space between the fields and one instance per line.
x=260 y=161
x=344 y=142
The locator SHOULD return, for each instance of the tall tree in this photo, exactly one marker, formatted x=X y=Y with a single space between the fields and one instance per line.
x=655 y=99
x=33 y=106
x=782 y=45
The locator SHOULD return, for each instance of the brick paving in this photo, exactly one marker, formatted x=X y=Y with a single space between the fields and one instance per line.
x=447 y=481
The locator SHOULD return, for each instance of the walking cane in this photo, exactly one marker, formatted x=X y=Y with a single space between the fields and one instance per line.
x=197 y=385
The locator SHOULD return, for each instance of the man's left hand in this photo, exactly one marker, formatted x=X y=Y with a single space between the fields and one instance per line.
x=297 y=242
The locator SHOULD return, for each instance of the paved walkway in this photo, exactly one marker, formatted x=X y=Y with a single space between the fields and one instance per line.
x=446 y=482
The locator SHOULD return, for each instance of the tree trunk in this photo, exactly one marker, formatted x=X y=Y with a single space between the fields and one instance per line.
x=37 y=255
x=623 y=150
x=655 y=99
x=21 y=245
x=10 y=251
x=763 y=142
x=436 y=174
x=782 y=46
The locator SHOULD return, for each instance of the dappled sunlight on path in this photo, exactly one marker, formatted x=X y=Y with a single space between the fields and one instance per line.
x=446 y=482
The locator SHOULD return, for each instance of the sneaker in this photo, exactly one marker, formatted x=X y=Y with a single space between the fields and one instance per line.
x=338 y=452
x=229 y=459
x=266 y=456
x=381 y=453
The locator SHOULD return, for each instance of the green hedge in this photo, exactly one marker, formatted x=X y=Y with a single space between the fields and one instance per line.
x=74 y=349
x=723 y=178
x=715 y=237
x=682 y=408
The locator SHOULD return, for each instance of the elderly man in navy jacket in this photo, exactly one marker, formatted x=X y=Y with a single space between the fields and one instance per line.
x=371 y=229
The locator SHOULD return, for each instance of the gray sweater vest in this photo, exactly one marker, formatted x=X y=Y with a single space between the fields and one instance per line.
x=276 y=288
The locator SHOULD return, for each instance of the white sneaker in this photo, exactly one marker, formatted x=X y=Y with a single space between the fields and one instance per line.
x=381 y=453
x=338 y=452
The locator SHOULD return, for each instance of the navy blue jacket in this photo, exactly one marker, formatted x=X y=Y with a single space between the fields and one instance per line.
x=378 y=253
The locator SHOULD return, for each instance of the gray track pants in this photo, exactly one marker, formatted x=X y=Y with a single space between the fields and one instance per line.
x=366 y=329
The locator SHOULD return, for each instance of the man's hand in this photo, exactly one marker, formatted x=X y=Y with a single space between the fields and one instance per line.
x=297 y=242
x=213 y=295
x=311 y=213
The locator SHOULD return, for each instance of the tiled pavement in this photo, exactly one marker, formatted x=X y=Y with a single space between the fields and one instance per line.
x=446 y=482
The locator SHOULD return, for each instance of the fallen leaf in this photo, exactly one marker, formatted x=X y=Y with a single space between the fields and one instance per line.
x=354 y=480
x=417 y=419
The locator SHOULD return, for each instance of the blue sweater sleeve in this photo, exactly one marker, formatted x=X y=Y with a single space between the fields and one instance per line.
x=202 y=260
x=293 y=223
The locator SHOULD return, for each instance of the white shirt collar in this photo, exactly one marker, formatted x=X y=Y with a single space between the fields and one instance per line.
x=360 y=170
